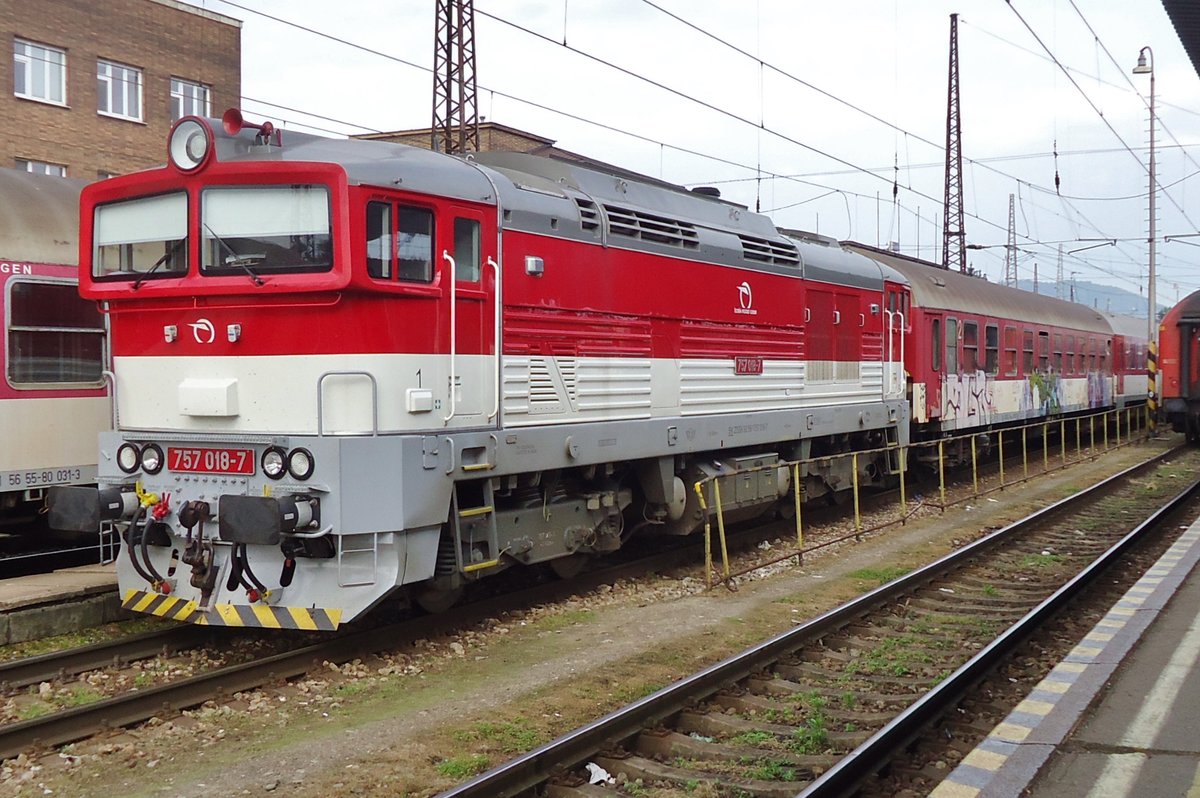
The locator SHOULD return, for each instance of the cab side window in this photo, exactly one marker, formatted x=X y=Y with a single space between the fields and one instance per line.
x=399 y=242
x=414 y=244
x=379 y=240
x=466 y=250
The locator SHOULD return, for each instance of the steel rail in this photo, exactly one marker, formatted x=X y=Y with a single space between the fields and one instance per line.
x=524 y=772
x=57 y=664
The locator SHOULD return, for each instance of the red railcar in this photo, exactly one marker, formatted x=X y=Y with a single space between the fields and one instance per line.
x=1179 y=364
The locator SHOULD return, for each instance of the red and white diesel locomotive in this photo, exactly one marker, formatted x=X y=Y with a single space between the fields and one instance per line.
x=347 y=368
x=53 y=401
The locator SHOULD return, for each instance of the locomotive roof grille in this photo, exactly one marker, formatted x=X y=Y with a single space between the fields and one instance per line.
x=589 y=217
x=648 y=227
x=760 y=250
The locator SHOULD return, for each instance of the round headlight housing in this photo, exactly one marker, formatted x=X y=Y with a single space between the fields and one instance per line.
x=274 y=462
x=128 y=458
x=190 y=143
x=152 y=458
x=301 y=463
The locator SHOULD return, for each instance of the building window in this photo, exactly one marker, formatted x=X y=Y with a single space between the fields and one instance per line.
x=40 y=168
x=54 y=335
x=39 y=72
x=189 y=99
x=119 y=91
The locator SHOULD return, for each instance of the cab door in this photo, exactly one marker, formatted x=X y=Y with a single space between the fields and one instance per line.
x=468 y=261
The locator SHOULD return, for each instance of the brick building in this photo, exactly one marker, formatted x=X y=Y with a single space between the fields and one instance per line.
x=92 y=88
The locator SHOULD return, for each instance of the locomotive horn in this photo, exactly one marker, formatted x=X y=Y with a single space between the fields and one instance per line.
x=233 y=122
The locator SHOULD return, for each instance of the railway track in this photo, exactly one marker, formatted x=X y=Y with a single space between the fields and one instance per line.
x=819 y=708
x=132 y=707
x=146 y=702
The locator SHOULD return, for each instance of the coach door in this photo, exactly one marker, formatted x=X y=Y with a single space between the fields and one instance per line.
x=1189 y=358
x=896 y=320
x=468 y=258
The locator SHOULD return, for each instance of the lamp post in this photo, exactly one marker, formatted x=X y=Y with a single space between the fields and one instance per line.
x=1144 y=68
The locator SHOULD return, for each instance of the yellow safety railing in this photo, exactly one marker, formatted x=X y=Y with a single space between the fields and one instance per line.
x=708 y=489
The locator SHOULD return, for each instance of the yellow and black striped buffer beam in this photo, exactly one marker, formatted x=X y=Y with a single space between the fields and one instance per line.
x=264 y=616
x=177 y=609
x=258 y=616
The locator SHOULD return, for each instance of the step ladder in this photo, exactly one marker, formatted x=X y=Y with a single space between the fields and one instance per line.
x=474 y=513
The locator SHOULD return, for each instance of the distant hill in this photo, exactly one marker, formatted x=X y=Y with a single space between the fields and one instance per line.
x=1101 y=297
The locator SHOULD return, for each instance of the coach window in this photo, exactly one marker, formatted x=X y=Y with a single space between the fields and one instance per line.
x=55 y=337
x=1058 y=350
x=951 y=346
x=1043 y=351
x=380 y=256
x=1069 y=356
x=992 y=344
x=1027 y=353
x=466 y=250
x=970 y=353
x=937 y=344
x=1010 y=350
x=1106 y=354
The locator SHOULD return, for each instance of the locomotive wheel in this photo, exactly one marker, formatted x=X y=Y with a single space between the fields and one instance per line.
x=570 y=566
x=435 y=600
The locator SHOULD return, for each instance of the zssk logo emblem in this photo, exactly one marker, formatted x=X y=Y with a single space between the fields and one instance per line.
x=745 y=301
x=203 y=331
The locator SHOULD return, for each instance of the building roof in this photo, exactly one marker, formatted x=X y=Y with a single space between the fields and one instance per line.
x=200 y=12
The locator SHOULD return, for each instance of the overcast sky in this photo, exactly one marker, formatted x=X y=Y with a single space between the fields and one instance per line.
x=826 y=105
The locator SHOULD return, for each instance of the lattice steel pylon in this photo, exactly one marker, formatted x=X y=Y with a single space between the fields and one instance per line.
x=954 y=249
x=455 y=126
x=1010 y=249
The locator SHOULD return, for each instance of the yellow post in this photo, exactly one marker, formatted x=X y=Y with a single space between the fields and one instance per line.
x=1000 y=435
x=1045 y=446
x=1104 y=418
x=1092 y=432
x=1062 y=440
x=1025 y=450
x=721 y=529
x=942 y=472
x=1117 y=416
x=857 y=517
x=799 y=523
x=1078 y=438
x=707 y=536
x=903 y=497
x=974 y=468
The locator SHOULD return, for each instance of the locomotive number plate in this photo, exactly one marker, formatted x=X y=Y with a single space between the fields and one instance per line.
x=211 y=461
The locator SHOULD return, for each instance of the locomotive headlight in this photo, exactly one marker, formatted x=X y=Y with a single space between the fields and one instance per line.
x=274 y=462
x=128 y=457
x=152 y=459
x=300 y=463
x=190 y=143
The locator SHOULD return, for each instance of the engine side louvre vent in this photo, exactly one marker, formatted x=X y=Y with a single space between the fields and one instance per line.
x=589 y=217
x=648 y=227
x=761 y=250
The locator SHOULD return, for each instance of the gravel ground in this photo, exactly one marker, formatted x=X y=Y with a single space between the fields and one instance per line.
x=418 y=720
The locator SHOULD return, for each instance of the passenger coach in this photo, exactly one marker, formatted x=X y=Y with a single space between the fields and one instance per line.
x=53 y=399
